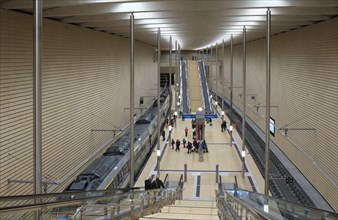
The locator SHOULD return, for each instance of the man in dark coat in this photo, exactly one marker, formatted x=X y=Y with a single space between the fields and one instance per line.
x=147 y=184
x=157 y=183
x=178 y=143
x=163 y=134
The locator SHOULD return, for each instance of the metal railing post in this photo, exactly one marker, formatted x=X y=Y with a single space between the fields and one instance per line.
x=217 y=170
x=81 y=212
x=142 y=207
x=185 y=172
x=132 y=214
x=112 y=213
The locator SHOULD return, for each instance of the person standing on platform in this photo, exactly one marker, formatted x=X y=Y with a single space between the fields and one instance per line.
x=172 y=143
x=189 y=146
x=147 y=183
x=186 y=131
x=184 y=142
x=163 y=134
x=157 y=183
x=224 y=126
x=178 y=143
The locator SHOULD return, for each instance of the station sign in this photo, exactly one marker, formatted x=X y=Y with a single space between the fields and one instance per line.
x=210 y=116
x=194 y=116
x=189 y=116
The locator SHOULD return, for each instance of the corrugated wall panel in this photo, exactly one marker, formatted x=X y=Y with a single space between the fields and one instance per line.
x=305 y=89
x=85 y=86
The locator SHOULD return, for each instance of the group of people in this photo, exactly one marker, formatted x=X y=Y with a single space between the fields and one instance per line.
x=155 y=184
x=191 y=146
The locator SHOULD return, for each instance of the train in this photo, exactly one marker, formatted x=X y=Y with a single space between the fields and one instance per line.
x=111 y=170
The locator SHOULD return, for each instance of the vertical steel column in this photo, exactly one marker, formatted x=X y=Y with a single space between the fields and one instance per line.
x=37 y=96
x=211 y=72
x=231 y=82
x=244 y=100
x=209 y=64
x=268 y=91
x=131 y=116
x=176 y=76
x=170 y=64
x=158 y=99
x=216 y=71
x=179 y=73
x=208 y=56
x=223 y=72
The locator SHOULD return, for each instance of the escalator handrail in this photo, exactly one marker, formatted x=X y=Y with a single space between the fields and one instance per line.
x=62 y=203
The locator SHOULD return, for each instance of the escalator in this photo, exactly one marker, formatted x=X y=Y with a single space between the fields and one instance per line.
x=194 y=87
x=204 y=85
x=242 y=204
x=195 y=94
x=184 y=90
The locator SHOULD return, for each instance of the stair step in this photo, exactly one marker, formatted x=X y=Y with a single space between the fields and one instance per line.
x=189 y=210
x=195 y=203
x=180 y=216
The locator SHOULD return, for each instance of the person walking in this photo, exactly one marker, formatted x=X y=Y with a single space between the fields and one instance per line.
x=186 y=131
x=189 y=146
x=184 y=142
x=172 y=143
x=157 y=183
x=178 y=143
x=147 y=183
x=224 y=126
x=163 y=134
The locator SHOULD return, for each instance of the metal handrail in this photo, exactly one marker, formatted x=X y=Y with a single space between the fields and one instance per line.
x=55 y=204
x=257 y=213
x=226 y=199
x=165 y=178
x=51 y=195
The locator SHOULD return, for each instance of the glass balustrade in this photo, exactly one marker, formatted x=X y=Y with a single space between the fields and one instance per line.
x=88 y=205
x=245 y=204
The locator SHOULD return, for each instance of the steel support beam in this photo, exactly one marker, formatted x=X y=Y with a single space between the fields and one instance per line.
x=131 y=116
x=231 y=82
x=268 y=92
x=244 y=102
x=176 y=77
x=216 y=71
x=37 y=96
x=170 y=48
x=158 y=100
x=223 y=72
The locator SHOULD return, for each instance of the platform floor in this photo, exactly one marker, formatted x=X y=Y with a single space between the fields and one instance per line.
x=201 y=176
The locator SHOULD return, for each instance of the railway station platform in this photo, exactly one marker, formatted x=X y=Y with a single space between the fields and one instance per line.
x=201 y=176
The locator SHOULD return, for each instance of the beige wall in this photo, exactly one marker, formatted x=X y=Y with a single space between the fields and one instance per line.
x=304 y=86
x=85 y=86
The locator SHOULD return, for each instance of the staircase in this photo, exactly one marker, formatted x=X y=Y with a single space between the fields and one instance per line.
x=187 y=209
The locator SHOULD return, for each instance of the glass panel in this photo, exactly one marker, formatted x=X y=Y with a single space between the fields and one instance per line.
x=92 y=204
x=275 y=208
